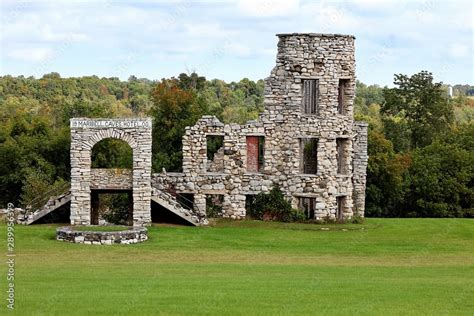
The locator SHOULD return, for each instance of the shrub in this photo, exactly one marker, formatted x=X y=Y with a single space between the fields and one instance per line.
x=117 y=209
x=273 y=206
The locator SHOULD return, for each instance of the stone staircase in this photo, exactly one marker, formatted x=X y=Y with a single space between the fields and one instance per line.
x=32 y=214
x=168 y=201
x=36 y=210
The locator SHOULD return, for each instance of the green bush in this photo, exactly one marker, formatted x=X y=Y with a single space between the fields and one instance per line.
x=273 y=206
x=118 y=209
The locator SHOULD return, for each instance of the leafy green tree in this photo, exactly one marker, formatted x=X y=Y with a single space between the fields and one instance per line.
x=173 y=109
x=421 y=104
x=112 y=153
x=386 y=174
x=367 y=96
x=442 y=181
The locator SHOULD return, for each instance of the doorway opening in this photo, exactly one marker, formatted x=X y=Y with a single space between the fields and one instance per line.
x=111 y=207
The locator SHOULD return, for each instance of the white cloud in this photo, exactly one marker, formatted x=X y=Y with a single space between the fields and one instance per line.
x=268 y=8
x=47 y=34
x=238 y=49
x=208 y=30
x=35 y=55
x=375 y=5
x=323 y=17
x=459 y=50
x=395 y=33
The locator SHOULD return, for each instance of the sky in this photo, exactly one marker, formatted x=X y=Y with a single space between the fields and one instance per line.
x=233 y=39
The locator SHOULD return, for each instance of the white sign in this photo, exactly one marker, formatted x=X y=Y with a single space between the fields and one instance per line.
x=111 y=123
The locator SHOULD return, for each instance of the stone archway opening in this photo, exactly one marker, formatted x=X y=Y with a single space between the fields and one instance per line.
x=112 y=153
x=111 y=200
x=91 y=143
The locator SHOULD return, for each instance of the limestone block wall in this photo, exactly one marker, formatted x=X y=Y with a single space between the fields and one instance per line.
x=360 y=167
x=111 y=179
x=85 y=133
x=326 y=58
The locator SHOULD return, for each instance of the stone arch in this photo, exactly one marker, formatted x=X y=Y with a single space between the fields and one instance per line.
x=102 y=147
x=112 y=133
x=85 y=133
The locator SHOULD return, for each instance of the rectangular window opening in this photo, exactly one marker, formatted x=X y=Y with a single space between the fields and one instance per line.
x=340 y=204
x=341 y=158
x=250 y=204
x=310 y=96
x=214 y=204
x=255 y=153
x=309 y=156
x=341 y=104
x=308 y=206
x=215 y=153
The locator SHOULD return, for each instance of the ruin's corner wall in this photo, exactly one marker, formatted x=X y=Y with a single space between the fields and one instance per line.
x=359 y=163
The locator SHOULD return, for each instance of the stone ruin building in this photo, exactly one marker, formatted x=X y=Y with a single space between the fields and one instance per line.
x=306 y=141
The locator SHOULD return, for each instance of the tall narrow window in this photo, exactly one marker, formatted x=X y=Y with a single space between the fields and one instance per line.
x=340 y=203
x=214 y=205
x=341 y=155
x=250 y=203
x=308 y=206
x=309 y=155
x=255 y=153
x=341 y=104
x=310 y=96
x=215 y=153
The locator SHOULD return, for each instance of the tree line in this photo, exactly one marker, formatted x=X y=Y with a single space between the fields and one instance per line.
x=420 y=140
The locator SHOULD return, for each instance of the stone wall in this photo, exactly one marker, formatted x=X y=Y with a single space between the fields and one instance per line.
x=85 y=133
x=360 y=167
x=111 y=179
x=327 y=58
x=130 y=235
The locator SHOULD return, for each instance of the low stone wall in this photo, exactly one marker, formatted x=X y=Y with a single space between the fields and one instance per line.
x=111 y=179
x=131 y=235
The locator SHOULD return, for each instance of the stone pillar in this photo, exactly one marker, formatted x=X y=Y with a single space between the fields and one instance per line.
x=359 y=163
x=200 y=203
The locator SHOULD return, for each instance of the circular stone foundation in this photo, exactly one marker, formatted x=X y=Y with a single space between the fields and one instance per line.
x=80 y=235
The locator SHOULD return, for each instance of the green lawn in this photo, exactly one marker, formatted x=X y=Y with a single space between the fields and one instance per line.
x=382 y=267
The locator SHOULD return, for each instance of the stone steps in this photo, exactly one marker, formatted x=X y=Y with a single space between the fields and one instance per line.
x=53 y=204
x=169 y=202
x=160 y=197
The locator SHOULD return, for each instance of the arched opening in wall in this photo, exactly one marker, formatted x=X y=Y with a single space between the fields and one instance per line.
x=112 y=153
x=111 y=183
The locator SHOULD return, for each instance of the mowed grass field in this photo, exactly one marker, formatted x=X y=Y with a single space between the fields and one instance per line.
x=381 y=267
